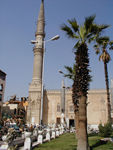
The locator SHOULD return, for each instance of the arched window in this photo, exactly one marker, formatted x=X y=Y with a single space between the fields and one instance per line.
x=58 y=107
x=71 y=108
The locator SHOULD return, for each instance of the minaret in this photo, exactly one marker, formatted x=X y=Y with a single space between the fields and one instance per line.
x=62 y=102
x=35 y=88
x=63 y=97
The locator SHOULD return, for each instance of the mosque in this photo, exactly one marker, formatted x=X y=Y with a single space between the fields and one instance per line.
x=47 y=108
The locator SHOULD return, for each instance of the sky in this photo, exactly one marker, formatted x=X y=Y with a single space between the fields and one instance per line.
x=18 y=20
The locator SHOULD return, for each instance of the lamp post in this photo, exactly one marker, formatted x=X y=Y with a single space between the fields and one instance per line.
x=63 y=102
x=34 y=42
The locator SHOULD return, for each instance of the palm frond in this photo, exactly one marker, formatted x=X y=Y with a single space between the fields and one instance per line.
x=89 y=21
x=68 y=31
x=69 y=69
x=111 y=43
x=74 y=24
x=76 y=45
x=70 y=72
x=74 y=69
x=89 y=35
x=111 y=48
x=94 y=29
x=103 y=38
x=97 y=50
x=103 y=26
x=68 y=76
x=91 y=39
x=105 y=57
x=97 y=29
x=82 y=32
x=103 y=41
x=96 y=46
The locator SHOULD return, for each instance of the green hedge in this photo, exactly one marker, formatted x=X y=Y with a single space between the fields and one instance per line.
x=105 y=130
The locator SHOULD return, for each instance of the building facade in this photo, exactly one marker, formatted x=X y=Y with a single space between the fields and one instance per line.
x=2 y=89
x=96 y=108
x=15 y=108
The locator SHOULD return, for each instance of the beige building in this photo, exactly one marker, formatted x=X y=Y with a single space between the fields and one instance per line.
x=53 y=106
x=2 y=89
x=15 y=108
x=96 y=110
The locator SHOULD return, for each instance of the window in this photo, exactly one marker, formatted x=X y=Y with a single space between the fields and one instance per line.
x=1 y=87
x=58 y=107
x=0 y=97
x=2 y=77
x=71 y=108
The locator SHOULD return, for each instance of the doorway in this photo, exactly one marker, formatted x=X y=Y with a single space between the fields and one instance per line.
x=71 y=123
x=58 y=120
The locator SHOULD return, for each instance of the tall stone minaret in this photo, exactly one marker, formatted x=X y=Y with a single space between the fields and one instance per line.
x=35 y=88
x=63 y=97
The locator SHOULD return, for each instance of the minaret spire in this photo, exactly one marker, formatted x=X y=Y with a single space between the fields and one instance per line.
x=35 y=88
x=38 y=49
x=41 y=20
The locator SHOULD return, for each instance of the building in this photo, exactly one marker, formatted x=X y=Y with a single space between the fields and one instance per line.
x=15 y=108
x=2 y=89
x=96 y=110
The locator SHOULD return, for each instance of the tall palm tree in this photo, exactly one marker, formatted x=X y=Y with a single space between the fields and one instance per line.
x=104 y=43
x=83 y=34
x=70 y=74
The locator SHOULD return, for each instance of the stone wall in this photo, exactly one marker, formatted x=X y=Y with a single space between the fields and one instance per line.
x=96 y=111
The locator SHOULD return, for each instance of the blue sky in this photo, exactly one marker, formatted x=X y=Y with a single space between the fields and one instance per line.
x=17 y=27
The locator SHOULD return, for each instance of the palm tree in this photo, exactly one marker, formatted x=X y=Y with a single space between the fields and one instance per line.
x=71 y=72
x=84 y=34
x=104 y=43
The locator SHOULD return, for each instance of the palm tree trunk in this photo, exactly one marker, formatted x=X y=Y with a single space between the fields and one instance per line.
x=76 y=122
x=80 y=88
x=107 y=90
x=82 y=142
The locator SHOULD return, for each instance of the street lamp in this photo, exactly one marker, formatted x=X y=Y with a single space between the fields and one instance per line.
x=56 y=37
x=60 y=71
x=63 y=98
x=52 y=39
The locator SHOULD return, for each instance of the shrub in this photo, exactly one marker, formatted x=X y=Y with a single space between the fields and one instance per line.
x=105 y=130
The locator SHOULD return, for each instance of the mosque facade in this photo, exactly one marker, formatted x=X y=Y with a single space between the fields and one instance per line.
x=96 y=107
x=56 y=103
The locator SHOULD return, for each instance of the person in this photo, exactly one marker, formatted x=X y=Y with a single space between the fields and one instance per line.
x=34 y=125
x=31 y=128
